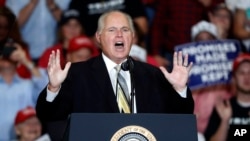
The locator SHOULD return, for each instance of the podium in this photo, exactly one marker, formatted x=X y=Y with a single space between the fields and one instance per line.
x=131 y=127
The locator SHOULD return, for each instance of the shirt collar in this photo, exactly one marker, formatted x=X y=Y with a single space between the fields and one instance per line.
x=109 y=63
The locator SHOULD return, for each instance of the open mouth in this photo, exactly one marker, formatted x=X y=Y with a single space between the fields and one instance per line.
x=119 y=44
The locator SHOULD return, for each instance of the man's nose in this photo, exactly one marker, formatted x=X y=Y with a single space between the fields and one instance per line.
x=119 y=33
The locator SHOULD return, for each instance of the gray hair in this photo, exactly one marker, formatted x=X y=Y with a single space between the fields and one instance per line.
x=105 y=15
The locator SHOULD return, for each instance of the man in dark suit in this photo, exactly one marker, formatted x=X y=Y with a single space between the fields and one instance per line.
x=91 y=86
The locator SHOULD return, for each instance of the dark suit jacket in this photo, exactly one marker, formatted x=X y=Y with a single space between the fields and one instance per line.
x=88 y=88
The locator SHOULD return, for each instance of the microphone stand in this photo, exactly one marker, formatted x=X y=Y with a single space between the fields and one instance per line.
x=132 y=103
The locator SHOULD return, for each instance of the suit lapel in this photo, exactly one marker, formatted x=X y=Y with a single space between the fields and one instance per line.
x=101 y=76
x=141 y=87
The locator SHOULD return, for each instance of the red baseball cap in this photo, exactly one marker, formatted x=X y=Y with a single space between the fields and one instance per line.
x=82 y=41
x=25 y=114
x=238 y=60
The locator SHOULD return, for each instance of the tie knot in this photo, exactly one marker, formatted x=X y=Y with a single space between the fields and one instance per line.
x=118 y=68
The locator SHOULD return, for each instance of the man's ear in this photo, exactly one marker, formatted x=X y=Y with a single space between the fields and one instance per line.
x=17 y=130
x=98 y=37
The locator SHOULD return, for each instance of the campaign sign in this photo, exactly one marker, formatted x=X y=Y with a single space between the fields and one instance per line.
x=212 y=61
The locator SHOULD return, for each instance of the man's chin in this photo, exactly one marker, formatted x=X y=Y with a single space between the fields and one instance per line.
x=121 y=55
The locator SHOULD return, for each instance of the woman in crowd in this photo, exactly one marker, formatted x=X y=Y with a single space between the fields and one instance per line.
x=68 y=27
x=10 y=34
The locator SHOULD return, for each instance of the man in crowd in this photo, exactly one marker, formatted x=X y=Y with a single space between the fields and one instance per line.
x=16 y=92
x=27 y=125
x=233 y=114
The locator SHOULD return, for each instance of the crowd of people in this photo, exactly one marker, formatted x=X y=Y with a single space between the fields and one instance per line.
x=39 y=38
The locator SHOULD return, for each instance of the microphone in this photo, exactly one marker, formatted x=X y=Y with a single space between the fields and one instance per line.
x=129 y=66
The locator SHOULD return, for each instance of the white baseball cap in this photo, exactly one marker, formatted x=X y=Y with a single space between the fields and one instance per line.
x=203 y=26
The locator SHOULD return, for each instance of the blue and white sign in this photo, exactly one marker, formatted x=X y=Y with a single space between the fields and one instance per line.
x=212 y=61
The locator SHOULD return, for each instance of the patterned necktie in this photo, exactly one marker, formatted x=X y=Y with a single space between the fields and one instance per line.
x=122 y=93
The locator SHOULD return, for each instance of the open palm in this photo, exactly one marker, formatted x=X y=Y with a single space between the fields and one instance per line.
x=180 y=73
x=224 y=109
x=56 y=74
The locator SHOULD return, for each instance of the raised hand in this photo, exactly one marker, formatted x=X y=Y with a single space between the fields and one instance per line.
x=224 y=109
x=55 y=72
x=18 y=55
x=180 y=73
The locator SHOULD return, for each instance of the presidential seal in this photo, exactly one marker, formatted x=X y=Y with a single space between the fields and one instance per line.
x=133 y=133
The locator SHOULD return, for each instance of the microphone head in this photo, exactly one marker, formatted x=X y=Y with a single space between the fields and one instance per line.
x=125 y=66
x=128 y=65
